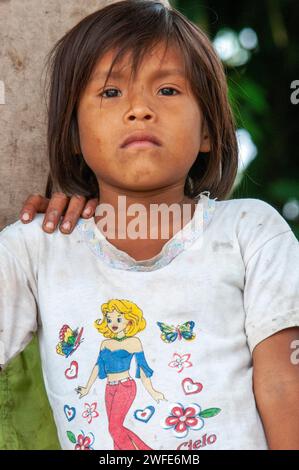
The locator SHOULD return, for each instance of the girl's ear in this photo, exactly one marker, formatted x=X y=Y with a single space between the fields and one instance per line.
x=205 y=145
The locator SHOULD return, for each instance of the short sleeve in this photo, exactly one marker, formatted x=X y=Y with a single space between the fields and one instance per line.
x=141 y=362
x=18 y=308
x=271 y=292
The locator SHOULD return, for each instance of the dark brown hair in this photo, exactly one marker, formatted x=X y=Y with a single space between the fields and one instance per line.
x=137 y=26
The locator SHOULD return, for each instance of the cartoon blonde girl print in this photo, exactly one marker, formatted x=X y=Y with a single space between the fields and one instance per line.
x=122 y=320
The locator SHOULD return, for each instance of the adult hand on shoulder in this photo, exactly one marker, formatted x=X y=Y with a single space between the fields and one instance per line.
x=72 y=208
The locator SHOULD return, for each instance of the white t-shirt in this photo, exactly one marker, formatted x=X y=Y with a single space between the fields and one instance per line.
x=220 y=286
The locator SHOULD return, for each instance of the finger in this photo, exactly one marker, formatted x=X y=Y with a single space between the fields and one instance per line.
x=73 y=213
x=90 y=207
x=33 y=204
x=57 y=205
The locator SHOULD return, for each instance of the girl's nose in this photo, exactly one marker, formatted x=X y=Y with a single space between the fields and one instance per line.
x=140 y=108
x=139 y=112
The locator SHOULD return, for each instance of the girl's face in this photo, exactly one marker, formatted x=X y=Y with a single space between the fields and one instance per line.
x=116 y=322
x=161 y=105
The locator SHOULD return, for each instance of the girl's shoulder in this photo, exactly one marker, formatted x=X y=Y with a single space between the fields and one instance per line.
x=252 y=222
x=28 y=242
x=129 y=344
x=251 y=204
x=20 y=230
x=19 y=238
x=32 y=234
x=19 y=244
x=251 y=212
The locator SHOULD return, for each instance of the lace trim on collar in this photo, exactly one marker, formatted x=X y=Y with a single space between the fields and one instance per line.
x=119 y=259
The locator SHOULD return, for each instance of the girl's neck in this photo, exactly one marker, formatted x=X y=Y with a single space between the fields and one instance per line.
x=168 y=195
x=148 y=247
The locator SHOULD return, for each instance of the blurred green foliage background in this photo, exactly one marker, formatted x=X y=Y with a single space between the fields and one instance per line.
x=258 y=41
x=259 y=81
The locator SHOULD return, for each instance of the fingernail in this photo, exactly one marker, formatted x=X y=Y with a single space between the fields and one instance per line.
x=49 y=225
x=25 y=216
x=87 y=211
x=66 y=226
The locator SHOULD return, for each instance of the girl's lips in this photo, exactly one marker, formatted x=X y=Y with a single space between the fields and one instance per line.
x=141 y=144
x=114 y=328
x=140 y=136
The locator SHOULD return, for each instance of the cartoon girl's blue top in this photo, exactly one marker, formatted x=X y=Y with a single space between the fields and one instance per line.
x=111 y=362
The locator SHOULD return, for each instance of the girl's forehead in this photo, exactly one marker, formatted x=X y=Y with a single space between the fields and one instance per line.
x=114 y=312
x=156 y=59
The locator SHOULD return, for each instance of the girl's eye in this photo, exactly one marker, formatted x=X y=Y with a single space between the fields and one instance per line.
x=170 y=88
x=119 y=320
x=109 y=90
x=108 y=321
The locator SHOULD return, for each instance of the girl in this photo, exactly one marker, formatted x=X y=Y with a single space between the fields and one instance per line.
x=139 y=120
x=122 y=320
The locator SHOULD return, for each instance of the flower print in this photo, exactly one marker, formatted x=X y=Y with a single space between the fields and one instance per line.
x=83 y=442
x=181 y=419
x=180 y=362
x=90 y=412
